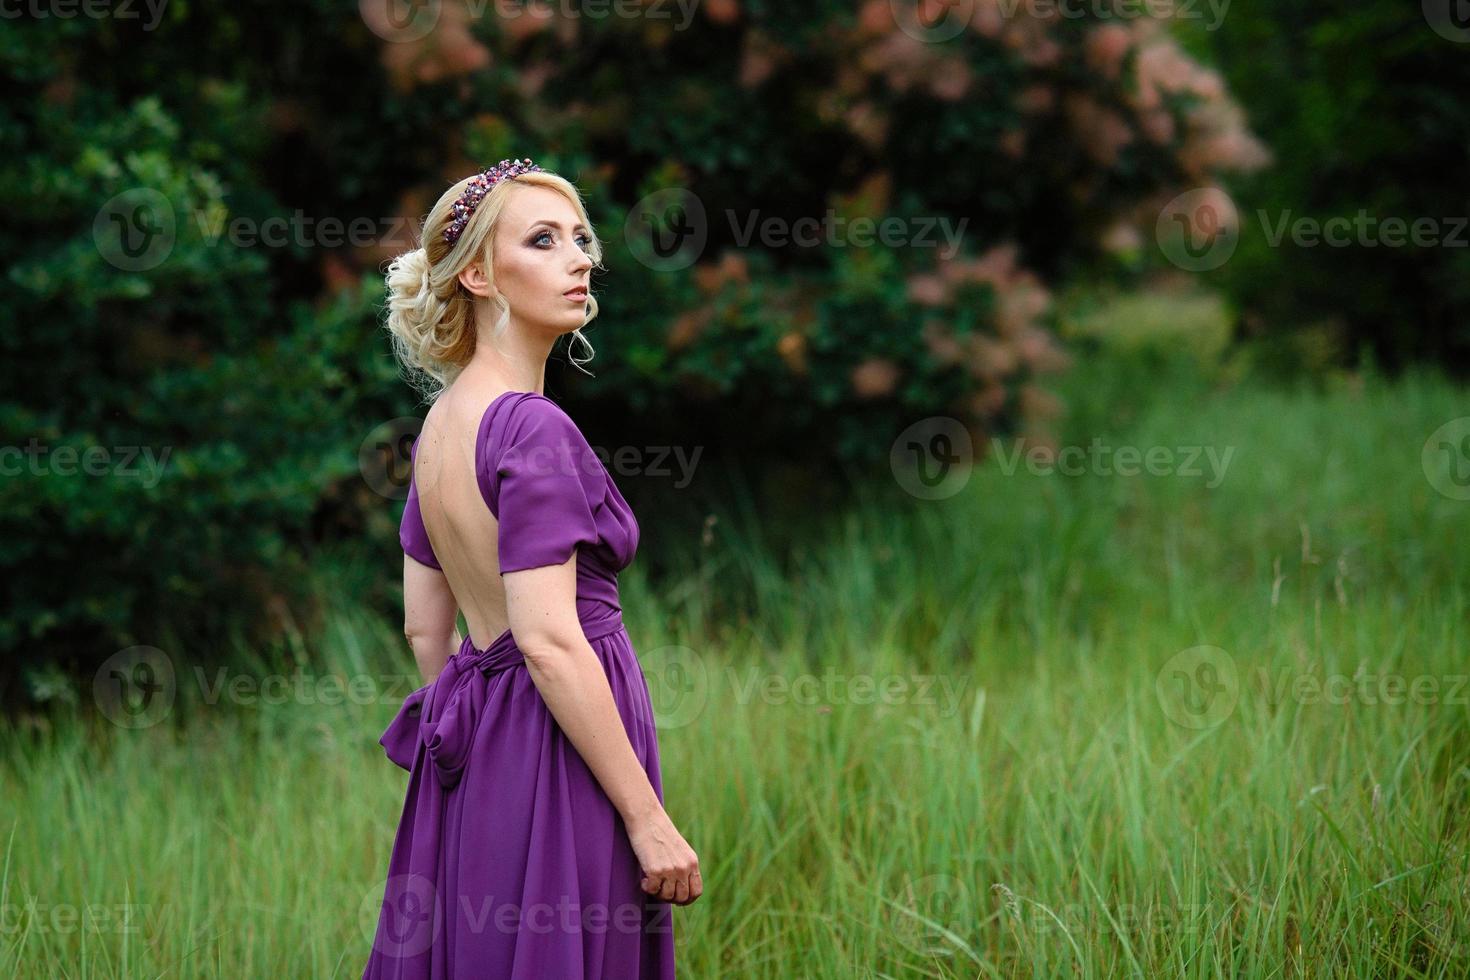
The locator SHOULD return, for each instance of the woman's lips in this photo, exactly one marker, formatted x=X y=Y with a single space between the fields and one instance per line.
x=576 y=295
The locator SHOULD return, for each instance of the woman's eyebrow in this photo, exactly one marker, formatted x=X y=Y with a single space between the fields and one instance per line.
x=548 y=221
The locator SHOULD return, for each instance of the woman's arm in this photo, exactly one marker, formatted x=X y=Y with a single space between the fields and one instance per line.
x=542 y=608
x=430 y=616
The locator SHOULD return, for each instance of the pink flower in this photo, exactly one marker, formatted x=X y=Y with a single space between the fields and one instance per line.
x=928 y=289
x=875 y=377
x=942 y=343
x=1121 y=236
x=1106 y=48
x=1102 y=131
x=950 y=79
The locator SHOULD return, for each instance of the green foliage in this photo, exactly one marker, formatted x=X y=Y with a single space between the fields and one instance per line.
x=1363 y=105
x=178 y=417
x=253 y=371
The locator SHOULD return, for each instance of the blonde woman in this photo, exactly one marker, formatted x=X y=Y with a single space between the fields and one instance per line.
x=533 y=843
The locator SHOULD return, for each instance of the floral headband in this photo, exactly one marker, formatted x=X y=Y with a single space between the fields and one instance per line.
x=479 y=186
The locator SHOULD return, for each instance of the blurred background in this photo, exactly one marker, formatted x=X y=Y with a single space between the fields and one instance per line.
x=1042 y=416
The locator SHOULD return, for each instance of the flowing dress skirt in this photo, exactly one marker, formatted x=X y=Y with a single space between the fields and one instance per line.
x=510 y=861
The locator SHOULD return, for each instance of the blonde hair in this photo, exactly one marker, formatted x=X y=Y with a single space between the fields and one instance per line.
x=431 y=316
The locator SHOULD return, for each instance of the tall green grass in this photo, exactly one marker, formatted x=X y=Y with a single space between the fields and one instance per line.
x=1034 y=798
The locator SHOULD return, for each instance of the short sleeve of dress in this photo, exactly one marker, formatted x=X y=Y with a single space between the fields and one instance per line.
x=412 y=534
x=548 y=487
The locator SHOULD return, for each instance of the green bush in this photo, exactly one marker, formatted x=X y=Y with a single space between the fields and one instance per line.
x=254 y=372
x=1364 y=104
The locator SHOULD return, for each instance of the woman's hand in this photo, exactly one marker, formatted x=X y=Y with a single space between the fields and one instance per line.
x=670 y=866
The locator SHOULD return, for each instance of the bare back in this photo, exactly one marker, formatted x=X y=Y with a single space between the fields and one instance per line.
x=459 y=523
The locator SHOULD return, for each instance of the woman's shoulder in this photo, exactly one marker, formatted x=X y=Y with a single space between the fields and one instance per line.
x=532 y=423
x=530 y=412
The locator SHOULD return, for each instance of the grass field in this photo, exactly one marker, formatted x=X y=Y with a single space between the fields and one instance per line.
x=1090 y=725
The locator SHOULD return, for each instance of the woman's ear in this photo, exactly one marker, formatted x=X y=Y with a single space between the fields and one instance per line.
x=473 y=278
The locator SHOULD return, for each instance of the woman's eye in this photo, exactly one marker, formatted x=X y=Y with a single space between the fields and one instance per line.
x=584 y=240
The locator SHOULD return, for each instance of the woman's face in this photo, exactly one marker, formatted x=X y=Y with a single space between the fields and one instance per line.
x=541 y=258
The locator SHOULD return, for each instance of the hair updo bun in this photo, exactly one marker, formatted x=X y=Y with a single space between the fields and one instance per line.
x=430 y=315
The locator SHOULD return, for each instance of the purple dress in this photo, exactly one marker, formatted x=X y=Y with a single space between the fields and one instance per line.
x=510 y=861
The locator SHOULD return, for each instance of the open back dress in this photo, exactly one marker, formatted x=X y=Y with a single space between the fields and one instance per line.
x=510 y=862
